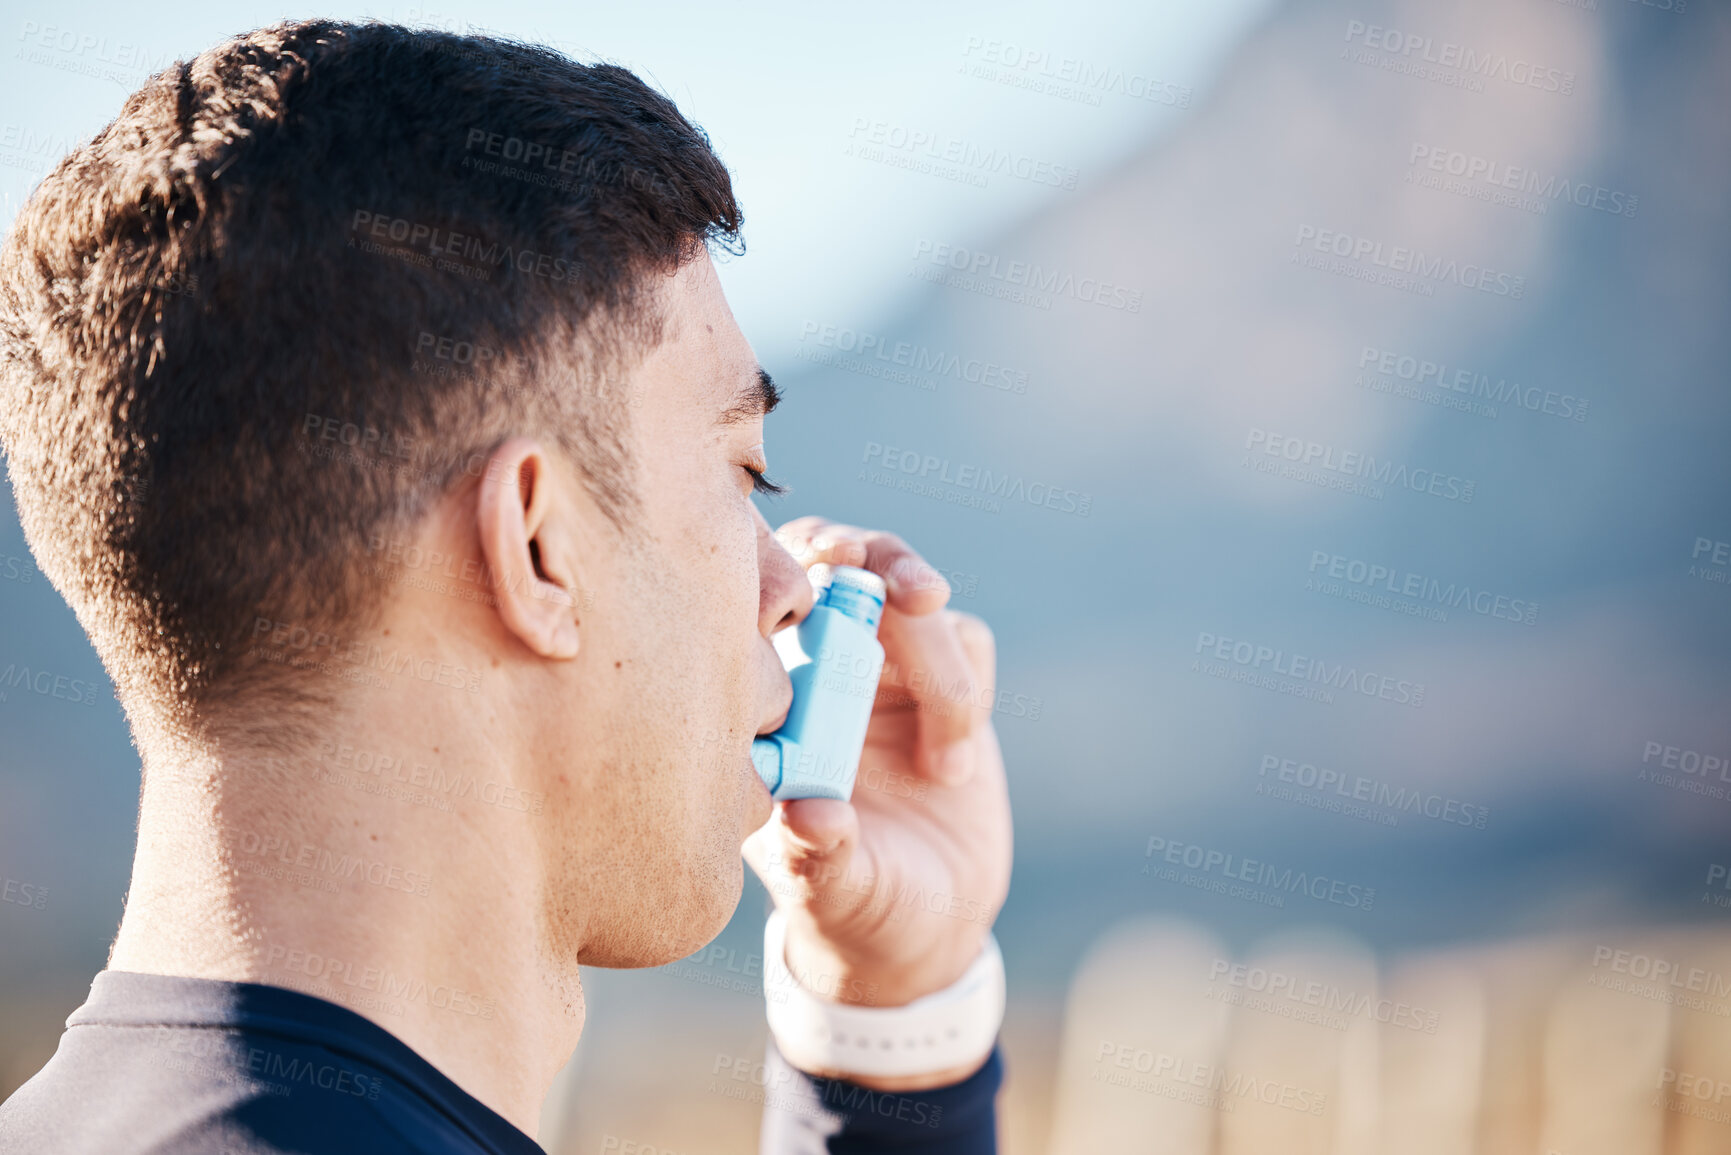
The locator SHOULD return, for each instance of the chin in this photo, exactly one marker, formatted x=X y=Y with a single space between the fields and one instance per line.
x=758 y=811
x=675 y=925
x=706 y=915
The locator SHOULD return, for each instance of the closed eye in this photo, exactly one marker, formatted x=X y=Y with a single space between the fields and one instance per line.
x=760 y=483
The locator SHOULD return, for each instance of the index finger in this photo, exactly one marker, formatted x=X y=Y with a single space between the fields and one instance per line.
x=945 y=665
x=927 y=664
x=913 y=585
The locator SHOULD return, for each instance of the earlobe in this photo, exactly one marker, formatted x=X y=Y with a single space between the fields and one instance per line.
x=519 y=513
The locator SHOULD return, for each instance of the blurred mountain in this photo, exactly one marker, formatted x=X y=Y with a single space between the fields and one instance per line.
x=1537 y=186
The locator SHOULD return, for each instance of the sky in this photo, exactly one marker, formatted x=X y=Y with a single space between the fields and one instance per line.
x=782 y=89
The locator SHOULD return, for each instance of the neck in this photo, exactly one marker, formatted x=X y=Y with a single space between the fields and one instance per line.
x=385 y=872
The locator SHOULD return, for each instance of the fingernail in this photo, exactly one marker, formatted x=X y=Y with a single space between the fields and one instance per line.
x=956 y=763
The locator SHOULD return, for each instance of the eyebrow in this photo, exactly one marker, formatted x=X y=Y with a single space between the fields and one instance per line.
x=755 y=399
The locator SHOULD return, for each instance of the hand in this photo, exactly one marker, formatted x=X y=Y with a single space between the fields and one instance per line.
x=889 y=897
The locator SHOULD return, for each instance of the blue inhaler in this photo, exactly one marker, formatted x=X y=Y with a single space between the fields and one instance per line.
x=834 y=659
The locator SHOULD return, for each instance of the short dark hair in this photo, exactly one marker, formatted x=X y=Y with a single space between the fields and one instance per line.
x=292 y=293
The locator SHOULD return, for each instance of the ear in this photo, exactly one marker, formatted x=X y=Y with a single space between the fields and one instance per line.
x=522 y=506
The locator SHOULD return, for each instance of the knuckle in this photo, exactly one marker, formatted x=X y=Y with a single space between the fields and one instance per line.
x=912 y=571
x=973 y=630
x=801 y=524
x=833 y=535
x=889 y=544
x=841 y=531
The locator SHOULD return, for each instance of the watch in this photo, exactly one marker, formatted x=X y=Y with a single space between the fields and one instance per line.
x=935 y=1032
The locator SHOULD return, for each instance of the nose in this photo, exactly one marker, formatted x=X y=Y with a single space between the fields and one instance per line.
x=784 y=594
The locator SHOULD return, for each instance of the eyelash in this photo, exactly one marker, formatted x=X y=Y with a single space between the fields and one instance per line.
x=761 y=484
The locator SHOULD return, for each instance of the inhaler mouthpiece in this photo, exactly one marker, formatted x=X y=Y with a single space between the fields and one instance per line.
x=834 y=659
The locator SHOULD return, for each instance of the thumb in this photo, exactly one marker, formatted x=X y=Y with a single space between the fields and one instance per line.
x=819 y=841
x=818 y=837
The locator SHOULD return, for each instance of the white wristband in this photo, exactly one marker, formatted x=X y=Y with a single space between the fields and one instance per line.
x=944 y=1029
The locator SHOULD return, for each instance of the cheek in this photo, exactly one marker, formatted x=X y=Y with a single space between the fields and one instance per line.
x=730 y=539
x=722 y=583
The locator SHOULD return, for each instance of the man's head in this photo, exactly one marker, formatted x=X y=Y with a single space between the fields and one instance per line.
x=329 y=299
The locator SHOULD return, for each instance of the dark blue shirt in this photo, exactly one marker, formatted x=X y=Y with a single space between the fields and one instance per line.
x=155 y=1064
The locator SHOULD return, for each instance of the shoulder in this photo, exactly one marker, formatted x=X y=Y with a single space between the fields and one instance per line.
x=149 y=1090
